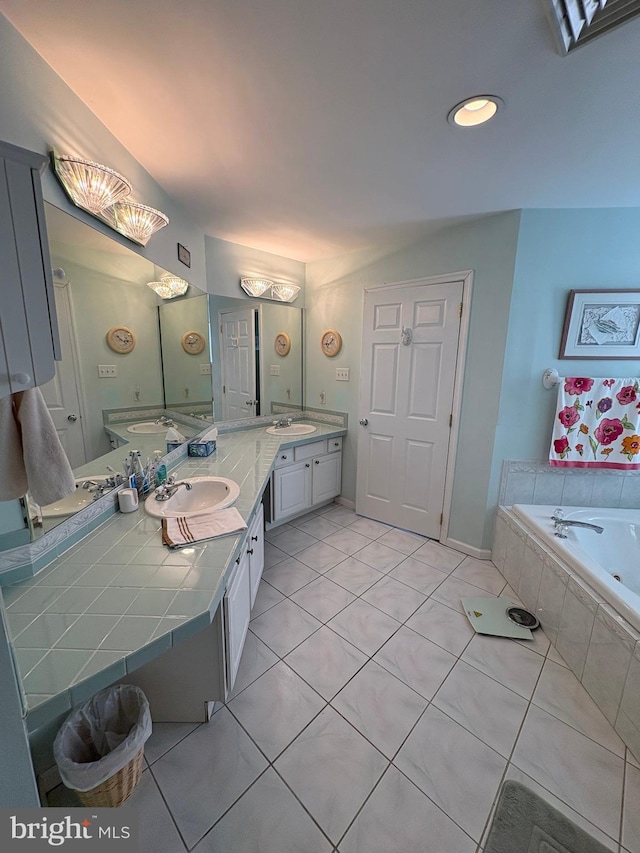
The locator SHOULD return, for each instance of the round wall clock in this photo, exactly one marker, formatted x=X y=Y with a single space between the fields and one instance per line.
x=282 y=343
x=331 y=342
x=193 y=342
x=121 y=339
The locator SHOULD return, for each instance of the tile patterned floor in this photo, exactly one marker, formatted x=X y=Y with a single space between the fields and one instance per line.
x=368 y=717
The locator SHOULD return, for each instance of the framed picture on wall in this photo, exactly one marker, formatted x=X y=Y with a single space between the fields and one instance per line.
x=601 y=324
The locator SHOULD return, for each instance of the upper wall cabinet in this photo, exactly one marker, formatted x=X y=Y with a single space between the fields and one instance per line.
x=29 y=341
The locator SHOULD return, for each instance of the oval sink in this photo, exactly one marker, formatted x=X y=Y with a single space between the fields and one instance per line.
x=205 y=494
x=148 y=428
x=75 y=501
x=294 y=429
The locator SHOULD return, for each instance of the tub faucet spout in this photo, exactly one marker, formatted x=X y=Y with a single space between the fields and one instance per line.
x=561 y=525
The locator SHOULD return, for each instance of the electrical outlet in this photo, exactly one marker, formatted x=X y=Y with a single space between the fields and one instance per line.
x=274 y=370
x=205 y=369
x=323 y=397
x=342 y=374
x=108 y=371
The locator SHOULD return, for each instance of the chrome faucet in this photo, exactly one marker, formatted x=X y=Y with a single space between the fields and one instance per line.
x=165 y=421
x=282 y=423
x=561 y=523
x=167 y=490
x=99 y=486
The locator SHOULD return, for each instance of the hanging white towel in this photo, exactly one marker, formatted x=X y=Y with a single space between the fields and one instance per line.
x=32 y=457
x=597 y=424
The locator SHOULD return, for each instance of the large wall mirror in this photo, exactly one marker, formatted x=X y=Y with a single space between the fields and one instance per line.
x=181 y=361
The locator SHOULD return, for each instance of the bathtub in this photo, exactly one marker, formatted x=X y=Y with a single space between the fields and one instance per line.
x=608 y=562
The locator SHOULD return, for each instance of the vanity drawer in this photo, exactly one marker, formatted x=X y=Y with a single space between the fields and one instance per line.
x=306 y=451
x=284 y=457
x=334 y=444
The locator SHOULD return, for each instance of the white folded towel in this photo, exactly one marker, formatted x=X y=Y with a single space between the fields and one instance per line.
x=174 y=435
x=181 y=531
x=32 y=457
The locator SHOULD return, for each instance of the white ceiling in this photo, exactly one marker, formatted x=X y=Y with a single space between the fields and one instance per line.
x=310 y=127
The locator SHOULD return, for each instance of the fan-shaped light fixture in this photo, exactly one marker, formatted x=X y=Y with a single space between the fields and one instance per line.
x=90 y=185
x=136 y=221
x=475 y=110
x=169 y=286
x=255 y=286
x=285 y=292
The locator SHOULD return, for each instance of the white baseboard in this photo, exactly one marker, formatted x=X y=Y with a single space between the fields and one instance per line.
x=345 y=502
x=478 y=553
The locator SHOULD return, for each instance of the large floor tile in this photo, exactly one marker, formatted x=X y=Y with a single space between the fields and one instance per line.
x=267 y=597
x=318 y=527
x=157 y=831
x=460 y=773
x=511 y=664
x=267 y=819
x=380 y=557
x=204 y=774
x=347 y=540
x=398 y=817
x=284 y=626
x=289 y=575
x=631 y=813
x=419 y=576
x=353 y=575
x=439 y=556
x=256 y=659
x=275 y=708
x=326 y=661
x=292 y=540
x=402 y=540
x=568 y=764
x=453 y=590
x=481 y=573
x=332 y=769
x=323 y=598
x=164 y=737
x=421 y=664
x=370 y=528
x=380 y=706
x=272 y=555
x=341 y=515
x=443 y=626
x=473 y=699
x=321 y=557
x=394 y=598
x=364 y=625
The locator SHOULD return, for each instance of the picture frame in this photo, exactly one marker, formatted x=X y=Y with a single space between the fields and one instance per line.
x=184 y=255
x=601 y=324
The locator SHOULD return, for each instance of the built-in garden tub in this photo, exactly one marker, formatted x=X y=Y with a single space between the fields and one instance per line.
x=585 y=590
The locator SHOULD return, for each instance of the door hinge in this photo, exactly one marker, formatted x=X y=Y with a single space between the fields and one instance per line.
x=450 y=420
x=441 y=518
x=460 y=310
x=224 y=389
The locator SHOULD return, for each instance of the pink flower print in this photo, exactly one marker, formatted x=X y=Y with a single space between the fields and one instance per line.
x=627 y=395
x=577 y=385
x=568 y=416
x=608 y=431
x=561 y=446
x=580 y=448
x=608 y=383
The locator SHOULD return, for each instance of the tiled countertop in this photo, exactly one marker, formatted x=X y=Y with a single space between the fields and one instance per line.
x=119 y=598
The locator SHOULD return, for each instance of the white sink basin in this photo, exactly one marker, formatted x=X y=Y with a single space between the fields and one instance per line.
x=75 y=501
x=294 y=429
x=148 y=428
x=205 y=494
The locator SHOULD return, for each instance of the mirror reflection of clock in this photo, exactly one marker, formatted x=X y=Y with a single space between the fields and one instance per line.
x=193 y=342
x=121 y=339
x=282 y=343
x=331 y=342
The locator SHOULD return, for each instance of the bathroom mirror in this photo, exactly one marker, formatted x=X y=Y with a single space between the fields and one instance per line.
x=100 y=285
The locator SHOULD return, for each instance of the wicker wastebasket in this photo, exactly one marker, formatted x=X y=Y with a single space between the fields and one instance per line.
x=99 y=749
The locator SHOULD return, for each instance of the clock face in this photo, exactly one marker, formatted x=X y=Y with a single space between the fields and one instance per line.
x=282 y=343
x=193 y=342
x=331 y=342
x=121 y=339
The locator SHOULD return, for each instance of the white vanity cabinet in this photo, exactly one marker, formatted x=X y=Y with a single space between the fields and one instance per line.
x=306 y=476
x=29 y=340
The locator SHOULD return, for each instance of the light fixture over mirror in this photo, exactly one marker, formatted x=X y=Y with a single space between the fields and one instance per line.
x=267 y=289
x=169 y=286
x=103 y=192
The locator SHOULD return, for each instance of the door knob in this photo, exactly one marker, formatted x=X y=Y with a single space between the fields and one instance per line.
x=364 y=421
x=72 y=418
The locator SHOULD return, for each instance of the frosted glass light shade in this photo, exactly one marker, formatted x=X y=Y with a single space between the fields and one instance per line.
x=91 y=186
x=169 y=286
x=285 y=292
x=136 y=221
x=255 y=286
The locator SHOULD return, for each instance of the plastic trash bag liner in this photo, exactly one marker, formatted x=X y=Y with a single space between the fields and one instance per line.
x=102 y=736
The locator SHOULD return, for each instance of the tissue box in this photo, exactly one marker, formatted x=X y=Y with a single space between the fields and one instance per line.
x=172 y=445
x=201 y=448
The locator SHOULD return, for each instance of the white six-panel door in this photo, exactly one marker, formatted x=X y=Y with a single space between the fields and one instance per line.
x=238 y=347
x=409 y=352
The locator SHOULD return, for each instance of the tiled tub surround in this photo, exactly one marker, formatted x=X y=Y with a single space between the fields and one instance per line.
x=119 y=598
x=600 y=647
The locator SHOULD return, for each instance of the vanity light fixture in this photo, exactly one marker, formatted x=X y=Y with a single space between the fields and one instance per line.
x=136 y=221
x=169 y=286
x=476 y=110
x=90 y=185
x=284 y=292
x=255 y=286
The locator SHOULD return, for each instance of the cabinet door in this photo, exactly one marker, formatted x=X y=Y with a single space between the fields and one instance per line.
x=326 y=477
x=292 y=489
x=237 y=604
x=255 y=549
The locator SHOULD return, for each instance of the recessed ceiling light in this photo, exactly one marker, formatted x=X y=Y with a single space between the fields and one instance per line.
x=475 y=110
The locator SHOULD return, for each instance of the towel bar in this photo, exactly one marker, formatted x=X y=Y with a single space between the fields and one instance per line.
x=550 y=378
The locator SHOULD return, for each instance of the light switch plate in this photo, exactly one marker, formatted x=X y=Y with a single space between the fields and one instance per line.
x=342 y=374
x=274 y=370
x=205 y=369
x=107 y=371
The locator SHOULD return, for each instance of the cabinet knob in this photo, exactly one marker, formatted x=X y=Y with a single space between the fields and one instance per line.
x=284 y=456
x=317 y=461
x=249 y=550
x=336 y=444
x=306 y=465
x=254 y=538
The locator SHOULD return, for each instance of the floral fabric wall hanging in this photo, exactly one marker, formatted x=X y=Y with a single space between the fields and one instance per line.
x=597 y=424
